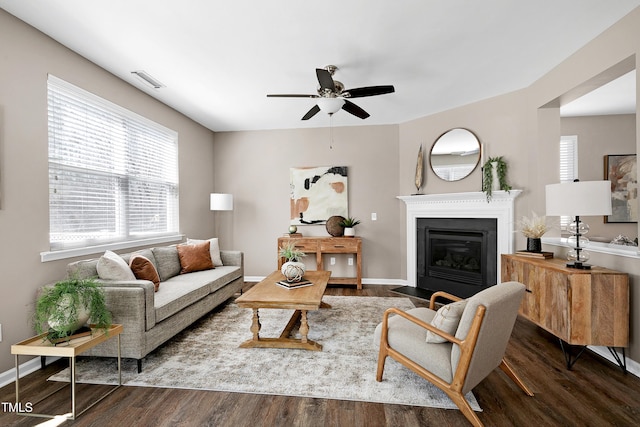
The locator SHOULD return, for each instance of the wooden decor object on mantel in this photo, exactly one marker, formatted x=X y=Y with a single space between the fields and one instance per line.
x=580 y=307
x=328 y=245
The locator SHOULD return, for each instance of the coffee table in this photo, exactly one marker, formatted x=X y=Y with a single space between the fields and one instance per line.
x=266 y=294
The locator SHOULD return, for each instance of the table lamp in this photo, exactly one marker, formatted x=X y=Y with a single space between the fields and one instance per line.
x=575 y=199
x=221 y=202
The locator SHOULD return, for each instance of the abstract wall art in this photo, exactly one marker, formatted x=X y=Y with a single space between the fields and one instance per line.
x=622 y=171
x=318 y=193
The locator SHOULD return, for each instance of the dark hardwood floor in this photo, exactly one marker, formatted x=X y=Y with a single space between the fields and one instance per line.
x=594 y=393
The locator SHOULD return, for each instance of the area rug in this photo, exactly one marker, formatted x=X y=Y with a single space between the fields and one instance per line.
x=206 y=356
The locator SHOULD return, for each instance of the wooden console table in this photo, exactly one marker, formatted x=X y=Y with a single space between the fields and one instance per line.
x=328 y=245
x=580 y=307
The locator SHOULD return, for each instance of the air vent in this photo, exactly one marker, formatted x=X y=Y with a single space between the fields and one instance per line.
x=145 y=77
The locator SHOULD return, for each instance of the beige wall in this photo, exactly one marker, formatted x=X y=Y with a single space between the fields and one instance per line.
x=599 y=136
x=26 y=57
x=254 y=167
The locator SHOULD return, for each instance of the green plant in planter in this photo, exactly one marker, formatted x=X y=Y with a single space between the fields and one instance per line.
x=62 y=305
x=349 y=222
x=487 y=176
x=290 y=253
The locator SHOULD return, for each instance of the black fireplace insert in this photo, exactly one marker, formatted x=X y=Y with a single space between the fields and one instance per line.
x=456 y=255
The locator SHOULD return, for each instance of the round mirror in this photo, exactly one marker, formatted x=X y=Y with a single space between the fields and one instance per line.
x=455 y=154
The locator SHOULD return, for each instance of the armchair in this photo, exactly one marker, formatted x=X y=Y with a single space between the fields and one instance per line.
x=470 y=352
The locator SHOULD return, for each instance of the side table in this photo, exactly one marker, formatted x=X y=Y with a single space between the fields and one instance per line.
x=39 y=346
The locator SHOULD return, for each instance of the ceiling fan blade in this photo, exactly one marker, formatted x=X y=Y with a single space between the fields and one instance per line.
x=312 y=112
x=291 y=95
x=360 y=92
x=325 y=79
x=352 y=108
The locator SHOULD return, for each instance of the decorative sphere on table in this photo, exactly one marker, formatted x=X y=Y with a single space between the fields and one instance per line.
x=292 y=229
x=293 y=270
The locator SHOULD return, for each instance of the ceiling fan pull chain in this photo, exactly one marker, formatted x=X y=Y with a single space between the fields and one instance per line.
x=330 y=131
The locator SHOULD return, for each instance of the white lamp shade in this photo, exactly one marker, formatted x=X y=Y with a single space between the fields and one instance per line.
x=221 y=202
x=581 y=198
x=330 y=105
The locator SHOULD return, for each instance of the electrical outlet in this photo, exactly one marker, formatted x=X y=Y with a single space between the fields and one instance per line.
x=332 y=261
x=374 y=216
x=350 y=262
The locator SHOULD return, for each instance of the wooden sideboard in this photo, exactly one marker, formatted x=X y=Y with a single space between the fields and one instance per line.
x=581 y=307
x=328 y=245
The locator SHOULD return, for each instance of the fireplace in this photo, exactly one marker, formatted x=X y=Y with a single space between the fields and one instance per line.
x=464 y=206
x=456 y=255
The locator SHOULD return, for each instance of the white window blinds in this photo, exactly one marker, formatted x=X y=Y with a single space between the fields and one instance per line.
x=113 y=175
x=568 y=166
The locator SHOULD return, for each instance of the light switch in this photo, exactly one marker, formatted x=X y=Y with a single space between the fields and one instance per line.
x=374 y=216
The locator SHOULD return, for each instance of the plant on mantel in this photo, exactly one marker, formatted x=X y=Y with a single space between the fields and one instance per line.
x=487 y=176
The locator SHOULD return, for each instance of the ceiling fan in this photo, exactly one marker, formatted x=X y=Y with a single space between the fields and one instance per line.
x=332 y=95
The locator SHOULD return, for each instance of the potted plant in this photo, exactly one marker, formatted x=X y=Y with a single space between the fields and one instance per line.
x=348 y=224
x=533 y=228
x=65 y=308
x=292 y=269
x=494 y=176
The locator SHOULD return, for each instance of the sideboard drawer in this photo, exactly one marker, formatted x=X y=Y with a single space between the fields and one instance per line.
x=343 y=245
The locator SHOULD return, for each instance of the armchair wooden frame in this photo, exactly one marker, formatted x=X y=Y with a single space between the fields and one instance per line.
x=467 y=347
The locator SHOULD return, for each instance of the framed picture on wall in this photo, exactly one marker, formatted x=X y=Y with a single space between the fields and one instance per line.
x=621 y=170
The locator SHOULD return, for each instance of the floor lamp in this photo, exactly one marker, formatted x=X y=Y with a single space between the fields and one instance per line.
x=576 y=199
x=220 y=202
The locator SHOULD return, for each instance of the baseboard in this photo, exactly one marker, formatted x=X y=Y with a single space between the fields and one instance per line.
x=389 y=282
x=26 y=368
x=633 y=367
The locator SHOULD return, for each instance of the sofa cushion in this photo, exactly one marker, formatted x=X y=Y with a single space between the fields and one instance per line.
x=183 y=290
x=144 y=269
x=194 y=257
x=168 y=261
x=111 y=266
x=446 y=319
x=214 y=249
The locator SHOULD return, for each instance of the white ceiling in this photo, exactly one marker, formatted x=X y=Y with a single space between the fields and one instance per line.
x=219 y=59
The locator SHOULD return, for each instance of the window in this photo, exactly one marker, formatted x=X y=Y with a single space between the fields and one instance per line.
x=113 y=175
x=568 y=166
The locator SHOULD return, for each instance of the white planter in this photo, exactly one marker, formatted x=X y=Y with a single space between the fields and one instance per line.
x=349 y=231
x=495 y=182
x=293 y=270
x=68 y=321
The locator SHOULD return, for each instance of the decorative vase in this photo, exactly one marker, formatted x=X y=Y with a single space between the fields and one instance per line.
x=495 y=179
x=349 y=232
x=67 y=320
x=293 y=270
x=534 y=244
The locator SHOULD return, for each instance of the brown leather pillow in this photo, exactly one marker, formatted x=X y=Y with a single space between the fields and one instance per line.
x=195 y=257
x=144 y=269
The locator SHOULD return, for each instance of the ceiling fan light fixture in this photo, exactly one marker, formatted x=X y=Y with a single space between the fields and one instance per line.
x=330 y=105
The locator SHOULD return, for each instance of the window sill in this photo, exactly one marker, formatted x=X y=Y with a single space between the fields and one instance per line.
x=90 y=250
x=604 y=248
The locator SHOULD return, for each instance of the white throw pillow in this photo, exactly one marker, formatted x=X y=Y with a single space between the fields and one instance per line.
x=214 y=249
x=446 y=319
x=111 y=266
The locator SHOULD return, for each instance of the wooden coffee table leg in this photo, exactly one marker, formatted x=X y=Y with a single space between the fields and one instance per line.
x=304 y=327
x=255 y=325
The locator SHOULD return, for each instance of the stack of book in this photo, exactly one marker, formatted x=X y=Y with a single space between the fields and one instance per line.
x=540 y=255
x=294 y=285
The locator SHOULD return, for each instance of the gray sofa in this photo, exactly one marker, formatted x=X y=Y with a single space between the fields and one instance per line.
x=150 y=318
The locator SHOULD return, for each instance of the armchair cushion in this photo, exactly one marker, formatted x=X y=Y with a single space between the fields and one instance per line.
x=446 y=319
x=408 y=338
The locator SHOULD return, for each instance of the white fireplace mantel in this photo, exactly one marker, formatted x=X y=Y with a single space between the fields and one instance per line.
x=460 y=205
